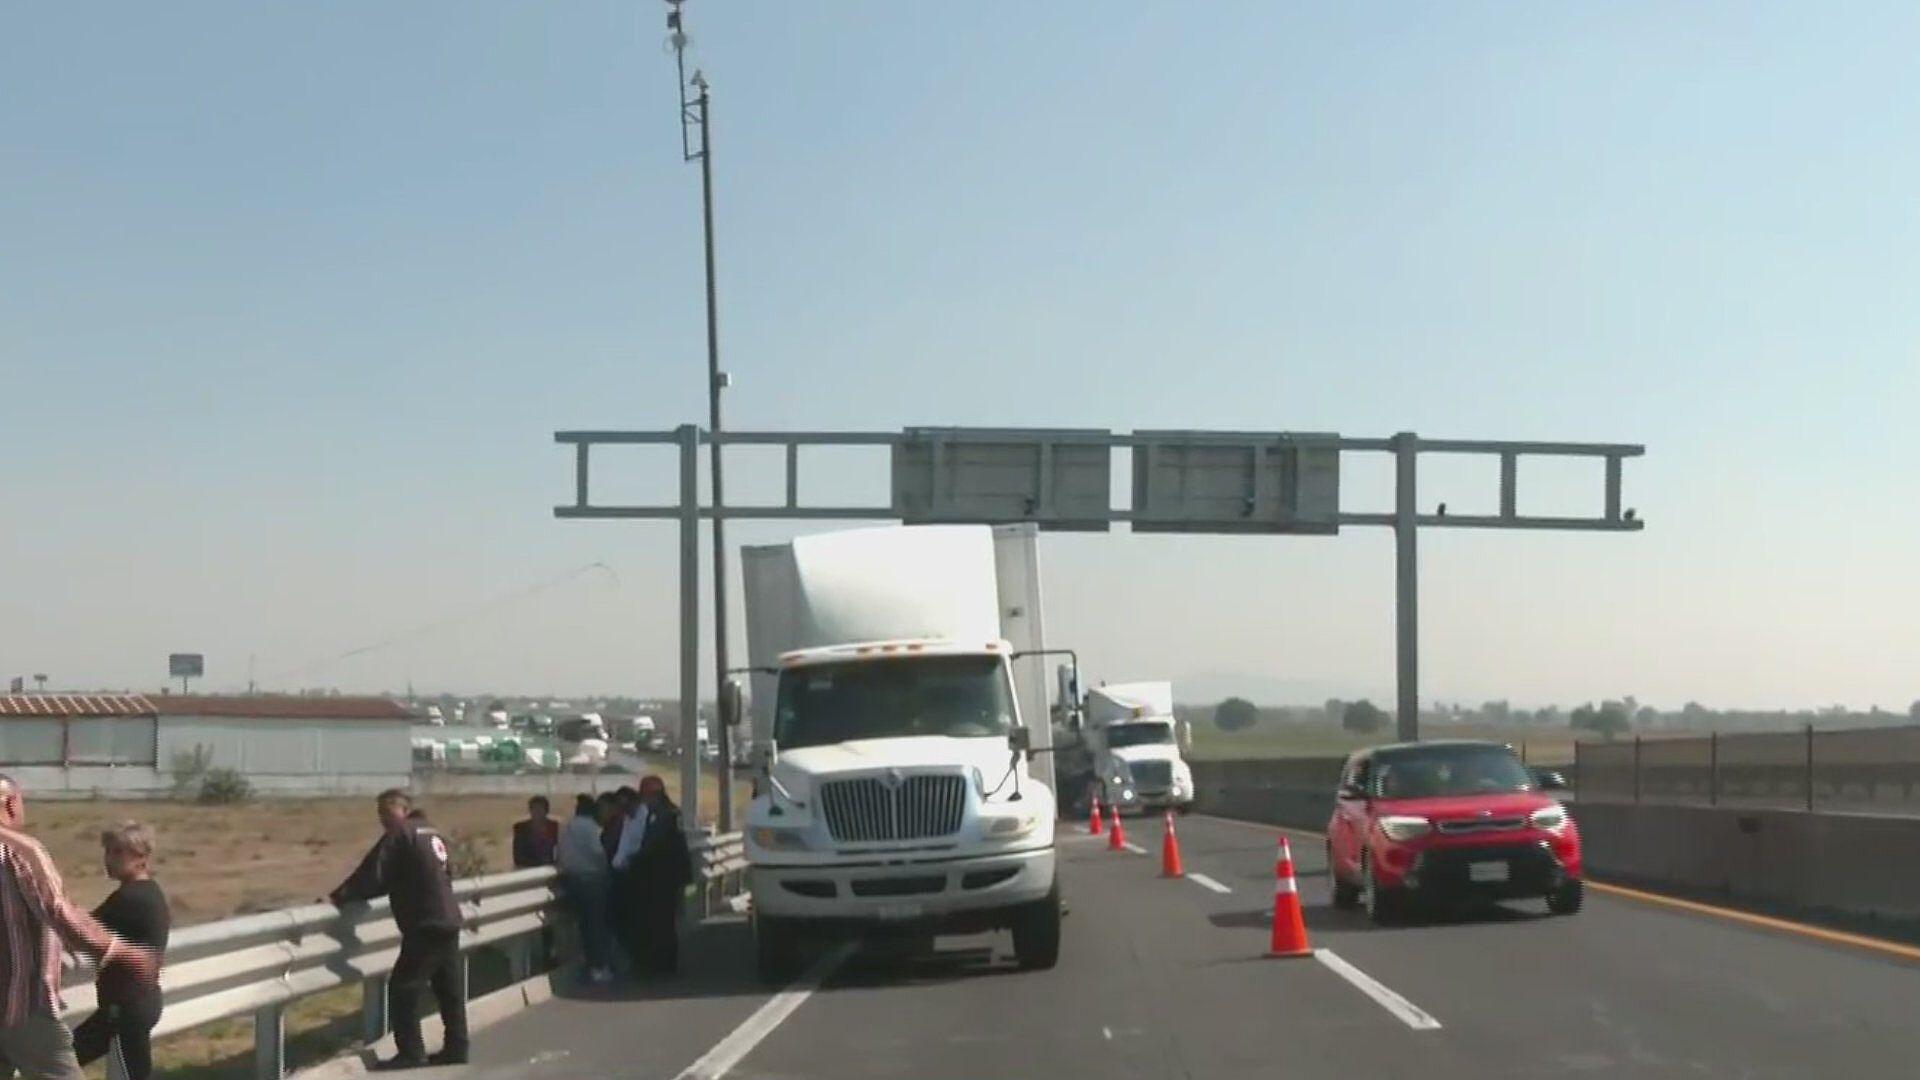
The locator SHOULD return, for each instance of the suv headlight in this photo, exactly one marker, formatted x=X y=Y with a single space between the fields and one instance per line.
x=1551 y=819
x=1405 y=827
x=774 y=839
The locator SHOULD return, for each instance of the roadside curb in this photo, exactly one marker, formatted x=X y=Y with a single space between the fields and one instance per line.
x=482 y=1012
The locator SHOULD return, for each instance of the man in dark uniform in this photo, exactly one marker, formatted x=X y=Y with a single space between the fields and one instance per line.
x=660 y=868
x=409 y=863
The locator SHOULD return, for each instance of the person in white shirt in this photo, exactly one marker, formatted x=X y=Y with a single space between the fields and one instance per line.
x=584 y=879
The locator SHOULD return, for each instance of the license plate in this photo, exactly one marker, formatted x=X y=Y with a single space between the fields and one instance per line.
x=897 y=912
x=1487 y=871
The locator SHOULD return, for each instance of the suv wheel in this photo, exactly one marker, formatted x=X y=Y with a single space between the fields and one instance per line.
x=1382 y=904
x=1566 y=899
x=1344 y=895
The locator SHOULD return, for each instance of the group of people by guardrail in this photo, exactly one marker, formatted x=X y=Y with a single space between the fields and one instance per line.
x=623 y=860
x=126 y=935
x=624 y=867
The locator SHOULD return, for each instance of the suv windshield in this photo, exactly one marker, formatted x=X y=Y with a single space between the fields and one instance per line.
x=1119 y=735
x=959 y=696
x=1443 y=771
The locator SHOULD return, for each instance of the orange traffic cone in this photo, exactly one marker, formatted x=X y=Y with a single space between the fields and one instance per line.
x=1095 y=824
x=1170 y=851
x=1289 y=927
x=1116 y=835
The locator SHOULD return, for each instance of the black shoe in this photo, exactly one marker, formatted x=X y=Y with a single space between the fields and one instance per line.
x=398 y=1062
x=448 y=1056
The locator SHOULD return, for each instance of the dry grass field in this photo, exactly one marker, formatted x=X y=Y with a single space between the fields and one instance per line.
x=219 y=861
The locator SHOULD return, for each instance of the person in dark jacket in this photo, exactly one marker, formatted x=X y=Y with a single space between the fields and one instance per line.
x=137 y=911
x=619 y=895
x=535 y=839
x=410 y=864
x=658 y=869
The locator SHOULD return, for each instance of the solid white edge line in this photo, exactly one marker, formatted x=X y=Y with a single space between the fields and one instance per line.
x=741 y=1041
x=1409 y=1013
x=1206 y=882
x=1133 y=847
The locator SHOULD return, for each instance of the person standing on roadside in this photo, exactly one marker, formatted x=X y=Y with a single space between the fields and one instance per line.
x=410 y=863
x=35 y=918
x=137 y=911
x=613 y=830
x=661 y=873
x=535 y=839
x=584 y=882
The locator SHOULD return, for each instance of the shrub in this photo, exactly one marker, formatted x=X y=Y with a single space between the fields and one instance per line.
x=189 y=769
x=466 y=858
x=224 y=787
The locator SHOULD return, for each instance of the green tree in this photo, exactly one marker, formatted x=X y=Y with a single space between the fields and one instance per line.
x=1363 y=717
x=1609 y=720
x=1235 y=714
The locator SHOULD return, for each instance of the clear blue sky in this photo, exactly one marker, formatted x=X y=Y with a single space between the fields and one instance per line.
x=292 y=296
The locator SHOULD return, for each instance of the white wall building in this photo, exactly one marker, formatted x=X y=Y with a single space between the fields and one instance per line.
x=132 y=744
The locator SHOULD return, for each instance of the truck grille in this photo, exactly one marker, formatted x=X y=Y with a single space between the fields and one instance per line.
x=1480 y=825
x=919 y=808
x=1153 y=775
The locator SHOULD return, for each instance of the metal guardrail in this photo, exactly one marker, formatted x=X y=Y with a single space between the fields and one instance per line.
x=257 y=965
x=1855 y=770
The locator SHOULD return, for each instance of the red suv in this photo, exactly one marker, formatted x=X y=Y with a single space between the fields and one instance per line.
x=1451 y=820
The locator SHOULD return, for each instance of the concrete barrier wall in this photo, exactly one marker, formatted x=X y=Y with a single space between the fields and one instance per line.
x=1296 y=792
x=1854 y=864
x=1857 y=864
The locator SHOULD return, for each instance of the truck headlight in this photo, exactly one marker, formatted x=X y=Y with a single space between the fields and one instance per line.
x=1006 y=828
x=772 y=839
x=1405 y=827
x=1551 y=819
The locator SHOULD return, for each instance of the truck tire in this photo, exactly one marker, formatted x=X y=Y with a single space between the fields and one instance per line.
x=1036 y=933
x=776 y=951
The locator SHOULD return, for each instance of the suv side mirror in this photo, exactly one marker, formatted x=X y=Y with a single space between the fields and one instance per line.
x=732 y=703
x=1352 y=791
x=1550 y=780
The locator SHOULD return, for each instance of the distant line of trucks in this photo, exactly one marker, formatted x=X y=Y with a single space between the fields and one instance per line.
x=904 y=747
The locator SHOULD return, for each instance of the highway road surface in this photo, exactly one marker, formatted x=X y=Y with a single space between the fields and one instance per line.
x=1167 y=978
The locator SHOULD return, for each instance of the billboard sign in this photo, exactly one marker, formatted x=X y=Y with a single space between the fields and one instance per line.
x=184 y=665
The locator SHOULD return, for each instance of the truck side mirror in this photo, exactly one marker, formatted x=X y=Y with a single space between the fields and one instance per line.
x=1020 y=740
x=732 y=703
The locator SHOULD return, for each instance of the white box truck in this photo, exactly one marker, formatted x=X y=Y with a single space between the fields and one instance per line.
x=898 y=703
x=1135 y=742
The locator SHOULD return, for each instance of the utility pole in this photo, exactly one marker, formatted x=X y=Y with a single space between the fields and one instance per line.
x=694 y=114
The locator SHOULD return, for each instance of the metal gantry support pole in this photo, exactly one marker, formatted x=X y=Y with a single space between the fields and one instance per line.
x=689 y=438
x=1406 y=591
x=722 y=737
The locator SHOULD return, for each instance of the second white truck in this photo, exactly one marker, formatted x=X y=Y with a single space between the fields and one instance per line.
x=1136 y=742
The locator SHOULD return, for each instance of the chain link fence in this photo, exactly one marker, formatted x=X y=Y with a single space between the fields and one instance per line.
x=1860 y=770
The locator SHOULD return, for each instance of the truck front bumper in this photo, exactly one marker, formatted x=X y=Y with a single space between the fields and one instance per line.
x=957 y=894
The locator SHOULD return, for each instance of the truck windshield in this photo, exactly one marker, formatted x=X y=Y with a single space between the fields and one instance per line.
x=1119 y=735
x=1440 y=772
x=958 y=696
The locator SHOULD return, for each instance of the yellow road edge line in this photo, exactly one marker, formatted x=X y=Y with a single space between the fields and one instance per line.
x=1768 y=922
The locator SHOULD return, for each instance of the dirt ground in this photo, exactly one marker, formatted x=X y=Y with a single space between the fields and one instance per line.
x=217 y=861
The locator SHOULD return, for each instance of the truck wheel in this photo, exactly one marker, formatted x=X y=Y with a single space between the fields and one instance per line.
x=1036 y=933
x=1344 y=895
x=1566 y=899
x=776 y=950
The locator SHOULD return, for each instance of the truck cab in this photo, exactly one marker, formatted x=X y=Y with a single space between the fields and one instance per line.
x=898 y=798
x=1136 y=744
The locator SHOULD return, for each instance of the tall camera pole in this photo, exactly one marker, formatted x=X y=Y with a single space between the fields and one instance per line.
x=693 y=114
